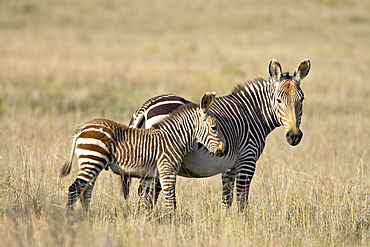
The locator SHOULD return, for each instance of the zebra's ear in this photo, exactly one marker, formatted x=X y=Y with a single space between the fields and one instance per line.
x=303 y=69
x=207 y=101
x=275 y=70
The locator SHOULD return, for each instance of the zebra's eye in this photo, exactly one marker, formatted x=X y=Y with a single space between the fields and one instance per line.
x=213 y=128
x=278 y=100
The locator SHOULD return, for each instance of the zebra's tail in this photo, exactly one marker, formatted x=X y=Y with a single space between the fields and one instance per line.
x=66 y=169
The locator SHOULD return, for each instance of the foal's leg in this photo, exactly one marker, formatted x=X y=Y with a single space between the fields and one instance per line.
x=86 y=196
x=125 y=185
x=74 y=192
x=81 y=188
x=148 y=192
x=167 y=176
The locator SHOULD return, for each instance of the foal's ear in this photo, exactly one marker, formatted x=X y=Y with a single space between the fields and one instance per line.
x=275 y=70
x=303 y=69
x=207 y=101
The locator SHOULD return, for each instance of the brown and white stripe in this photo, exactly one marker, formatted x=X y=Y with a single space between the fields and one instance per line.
x=144 y=153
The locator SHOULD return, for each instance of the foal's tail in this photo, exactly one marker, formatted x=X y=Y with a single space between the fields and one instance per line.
x=66 y=169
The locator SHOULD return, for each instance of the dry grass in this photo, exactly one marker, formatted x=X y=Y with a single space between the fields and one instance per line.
x=65 y=62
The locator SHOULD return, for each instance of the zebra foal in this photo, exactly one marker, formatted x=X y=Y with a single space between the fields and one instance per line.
x=154 y=153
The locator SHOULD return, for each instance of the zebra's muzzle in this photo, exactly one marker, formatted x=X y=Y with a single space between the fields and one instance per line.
x=221 y=150
x=294 y=138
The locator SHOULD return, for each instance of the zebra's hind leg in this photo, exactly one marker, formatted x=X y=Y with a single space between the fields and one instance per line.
x=228 y=181
x=148 y=192
x=86 y=197
x=74 y=193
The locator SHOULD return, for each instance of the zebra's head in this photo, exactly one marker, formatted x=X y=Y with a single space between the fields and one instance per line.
x=288 y=98
x=208 y=132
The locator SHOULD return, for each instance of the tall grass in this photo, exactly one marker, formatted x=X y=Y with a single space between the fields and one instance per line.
x=65 y=62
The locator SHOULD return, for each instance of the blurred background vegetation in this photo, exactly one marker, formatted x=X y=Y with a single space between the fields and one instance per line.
x=111 y=55
x=65 y=62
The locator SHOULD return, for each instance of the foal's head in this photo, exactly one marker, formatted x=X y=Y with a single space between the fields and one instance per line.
x=207 y=132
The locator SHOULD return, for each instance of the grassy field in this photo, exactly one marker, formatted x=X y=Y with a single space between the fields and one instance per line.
x=66 y=62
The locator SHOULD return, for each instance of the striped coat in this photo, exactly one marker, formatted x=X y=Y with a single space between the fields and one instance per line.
x=154 y=153
x=246 y=116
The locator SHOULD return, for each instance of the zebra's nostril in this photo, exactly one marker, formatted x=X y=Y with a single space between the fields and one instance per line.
x=300 y=134
x=290 y=134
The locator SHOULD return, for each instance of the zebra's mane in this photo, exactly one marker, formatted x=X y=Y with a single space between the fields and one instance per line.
x=255 y=83
x=177 y=113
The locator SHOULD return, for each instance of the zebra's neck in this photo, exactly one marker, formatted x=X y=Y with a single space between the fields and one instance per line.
x=180 y=127
x=258 y=97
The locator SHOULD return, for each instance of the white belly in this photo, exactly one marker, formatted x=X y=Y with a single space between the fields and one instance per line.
x=202 y=163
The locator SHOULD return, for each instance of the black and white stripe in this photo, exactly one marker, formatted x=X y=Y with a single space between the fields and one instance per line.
x=155 y=109
x=246 y=116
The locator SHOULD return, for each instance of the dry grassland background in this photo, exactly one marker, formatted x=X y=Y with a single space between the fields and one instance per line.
x=66 y=62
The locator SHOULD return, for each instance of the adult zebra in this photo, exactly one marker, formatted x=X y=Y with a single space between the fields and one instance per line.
x=154 y=153
x=246 y=116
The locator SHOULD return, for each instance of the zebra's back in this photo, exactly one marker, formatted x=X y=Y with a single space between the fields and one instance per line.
x=126 y=150
x=150 y=113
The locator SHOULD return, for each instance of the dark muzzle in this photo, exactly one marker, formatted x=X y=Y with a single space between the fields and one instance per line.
x=294 y=138
x=221 y=151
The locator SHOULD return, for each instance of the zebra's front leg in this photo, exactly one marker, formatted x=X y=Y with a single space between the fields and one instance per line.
x=243 y=182
x=168 y=182
x=125 y=185
x=228 y=179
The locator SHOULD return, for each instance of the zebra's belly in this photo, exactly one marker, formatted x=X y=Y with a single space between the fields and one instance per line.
x=134 y=170
x=201 y=163
x=140 y=173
